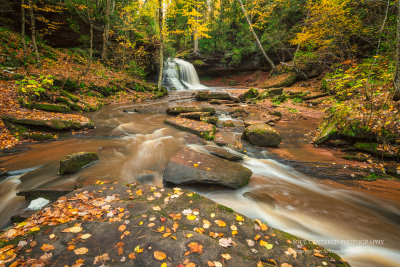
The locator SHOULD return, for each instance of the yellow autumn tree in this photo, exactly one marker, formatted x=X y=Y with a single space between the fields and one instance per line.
x=329 y=26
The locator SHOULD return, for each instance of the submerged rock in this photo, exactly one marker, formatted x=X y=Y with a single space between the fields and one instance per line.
x=52 y=124
x=261 y=134
x=74 y=162
x=195 y=115
x=142 y=225
x=261 y=196
x=190 y=167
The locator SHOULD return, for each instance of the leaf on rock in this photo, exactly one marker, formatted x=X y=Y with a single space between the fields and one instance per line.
x=239 y=218
x=159 y=255
x=47 y=247
x=226 y=256
x=81 y=251
x=122 y=228
x=225 y=242
x=220 y=223
x=195 y=247
x=266 y=244
x=101 y=259
x=75 y=229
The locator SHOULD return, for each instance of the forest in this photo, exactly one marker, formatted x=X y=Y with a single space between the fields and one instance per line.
x=199 y=133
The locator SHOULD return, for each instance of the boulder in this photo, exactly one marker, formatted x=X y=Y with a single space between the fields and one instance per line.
x=74 y=162
x=211 y=120
x=143 y=225
x=179 y=110
x=52 y=124
x=22 y=216
x=223 y=153
x=220 y=102
x=261 y=134
x=190 y=167
x=207 y=95
x=199 y=128
x=250 y=94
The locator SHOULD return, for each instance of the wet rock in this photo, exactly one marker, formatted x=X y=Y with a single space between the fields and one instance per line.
x=228 y=123
x=220 y=102
x=261 y=196
x=47 y=107
x=250 y=94
x=270 y=93
x=52 y=124
x=223 y=153
x=190 y=167
x=329 y=131
x=40 y=193
x=198 y=128
x=74 y=162
x=212 y=120
x=207 y=95
x=149 y=216
x=261 y=134
x=179 y=110
x=220 y=139
x=22 y=216
x=3 y=173
x=194 y=115
x=240 y=113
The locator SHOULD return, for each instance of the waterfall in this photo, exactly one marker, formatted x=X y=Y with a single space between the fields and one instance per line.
x=180 y=75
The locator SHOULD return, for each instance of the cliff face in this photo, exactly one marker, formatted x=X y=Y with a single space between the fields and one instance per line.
x=72 y=32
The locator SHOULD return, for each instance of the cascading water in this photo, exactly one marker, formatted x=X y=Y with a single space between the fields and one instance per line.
x=180 y=75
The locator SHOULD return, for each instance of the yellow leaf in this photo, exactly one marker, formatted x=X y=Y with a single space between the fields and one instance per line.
x=47 y=247
x=191 y=217
x=234 y=233
x=266 y=244
x=86 y=236
x=81 y=251
x=220 y=223
x=226 y=256
x=35 y=229
x=239 y=218
x=164 y=265
x=75 y=229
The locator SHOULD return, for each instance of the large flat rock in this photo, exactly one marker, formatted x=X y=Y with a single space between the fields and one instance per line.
x=190 y=167
x=199 y=128
x=112 y=224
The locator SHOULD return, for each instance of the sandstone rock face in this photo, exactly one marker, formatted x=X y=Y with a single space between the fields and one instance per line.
x=261 y=134
x=190 y=167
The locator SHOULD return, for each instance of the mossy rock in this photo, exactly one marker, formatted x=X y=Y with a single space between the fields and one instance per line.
x=329 y=131
x=179 y=110
x=261 y=134
x=372 y=148
x=67 y=84
x=48 y=107
x=270 y=93
x=66 y=102
x=228 y=123
x=73 y=163
x=207 y=95
x=54 y=124
x=68 y=95
x=211 y=119
x=21 y=131
x=250 y=94
x=194 y=115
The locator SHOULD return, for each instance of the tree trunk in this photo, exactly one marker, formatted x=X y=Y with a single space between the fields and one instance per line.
x=23 y=26
x=161 y=61
x=270 y=62
x=397 y=74
x=195 y=38
x=106 y=32
x=33 y=30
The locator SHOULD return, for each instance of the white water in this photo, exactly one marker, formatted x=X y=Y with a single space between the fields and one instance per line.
x=181 y=75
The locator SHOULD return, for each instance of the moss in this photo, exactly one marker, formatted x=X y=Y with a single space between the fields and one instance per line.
x=228 y=124
x=224 y=208
x=329 y=131
x=196 y=196
x=67 y=84
x=47 y=107
x=211 y=120
x=68 y=95
x=75 y=162
x=252 y=93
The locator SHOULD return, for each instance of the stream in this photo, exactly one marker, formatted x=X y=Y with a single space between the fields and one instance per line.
x=137 y=146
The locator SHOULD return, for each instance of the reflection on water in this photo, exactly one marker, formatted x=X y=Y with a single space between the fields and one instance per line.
x=136 y=147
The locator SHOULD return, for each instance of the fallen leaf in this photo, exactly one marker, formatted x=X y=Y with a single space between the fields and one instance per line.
x=159 y=255
x=47 y=247
x=75 y=229
x=319 y=255
x=122 y=228
x=191 y=217
x=263 y=226
x=206 y=224
x=163 y=264
x=86 y=236
x=220 y=223
x=226 y=256
x=239 y=218
x=195 y=247
x=266 y=244
x=225 y=242
x=81 y=251
x=291 y=251
x=102 y=258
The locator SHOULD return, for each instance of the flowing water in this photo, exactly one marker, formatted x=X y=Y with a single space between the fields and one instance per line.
x=180 y=75
x=136 y=147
